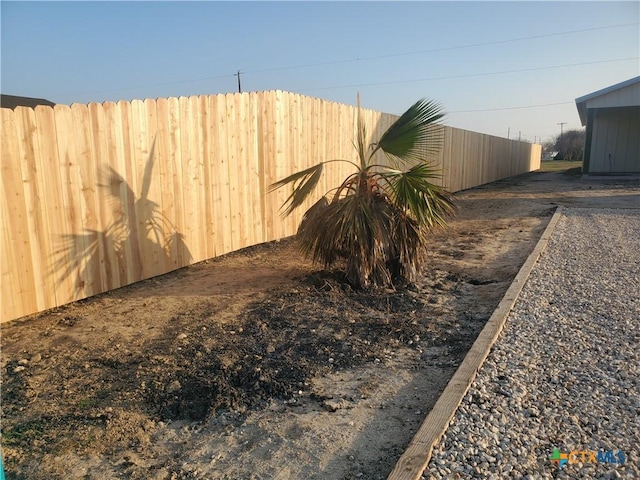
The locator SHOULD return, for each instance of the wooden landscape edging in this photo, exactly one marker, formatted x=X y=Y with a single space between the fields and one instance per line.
x=415 y=459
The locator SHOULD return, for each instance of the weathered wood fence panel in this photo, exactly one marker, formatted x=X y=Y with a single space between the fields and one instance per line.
x=98 y=196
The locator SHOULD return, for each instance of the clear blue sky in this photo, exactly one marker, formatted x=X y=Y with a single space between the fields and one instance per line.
x=393 y=53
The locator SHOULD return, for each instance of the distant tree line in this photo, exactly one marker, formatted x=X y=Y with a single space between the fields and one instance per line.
x=569 y=145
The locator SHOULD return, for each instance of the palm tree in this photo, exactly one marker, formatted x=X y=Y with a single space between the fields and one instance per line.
x=379 y=217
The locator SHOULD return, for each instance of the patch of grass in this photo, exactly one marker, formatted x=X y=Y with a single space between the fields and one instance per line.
x=87 y=403
x=559 y=165
x=95 y=400
x=19 y=434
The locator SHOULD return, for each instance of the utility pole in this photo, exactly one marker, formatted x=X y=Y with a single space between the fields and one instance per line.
x=560 y=145
x=508 y=133
x=562 y=124
x=239 y=86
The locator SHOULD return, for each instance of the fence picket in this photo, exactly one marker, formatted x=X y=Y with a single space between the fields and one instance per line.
x=17 y=261
x=54 y=223
x=254 y=182
x=33 y=177
x=220 y=185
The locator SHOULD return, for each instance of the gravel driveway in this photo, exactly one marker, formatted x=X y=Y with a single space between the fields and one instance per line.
x=564 y=377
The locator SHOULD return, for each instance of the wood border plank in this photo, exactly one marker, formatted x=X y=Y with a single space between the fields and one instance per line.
x=416 y=457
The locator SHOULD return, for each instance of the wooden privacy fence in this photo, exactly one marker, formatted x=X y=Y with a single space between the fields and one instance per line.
x=98 y=196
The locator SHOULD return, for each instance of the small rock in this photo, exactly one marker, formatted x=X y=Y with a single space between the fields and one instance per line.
x=174 y=386
x=182 y=336
x=333 y=405
x=612 y=475
x=19 y=369
x=533 y=412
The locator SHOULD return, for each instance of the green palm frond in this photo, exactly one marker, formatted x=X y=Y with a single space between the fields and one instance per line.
x=415 y=135
x=304 y=182
x=414 y=192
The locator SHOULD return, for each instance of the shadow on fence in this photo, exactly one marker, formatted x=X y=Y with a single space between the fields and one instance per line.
x=139 y=230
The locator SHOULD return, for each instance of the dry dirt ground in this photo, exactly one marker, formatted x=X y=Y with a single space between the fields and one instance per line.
x=256 y=365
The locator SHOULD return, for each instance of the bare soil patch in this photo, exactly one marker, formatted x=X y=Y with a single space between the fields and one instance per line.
x=257 y=365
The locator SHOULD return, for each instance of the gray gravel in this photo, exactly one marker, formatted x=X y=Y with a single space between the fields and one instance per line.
x=565 y=372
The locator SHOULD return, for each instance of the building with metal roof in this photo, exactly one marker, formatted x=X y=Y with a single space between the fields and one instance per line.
x=612 y=120
x=14 y=101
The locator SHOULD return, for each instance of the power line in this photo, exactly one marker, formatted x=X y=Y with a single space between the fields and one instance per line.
x=434 y=50
x=511 y=108
x=467 y=75
x=360 y=59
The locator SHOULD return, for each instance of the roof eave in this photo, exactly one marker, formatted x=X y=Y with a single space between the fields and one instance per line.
x=582 y=112
x=581 y=102
x=603 y=91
